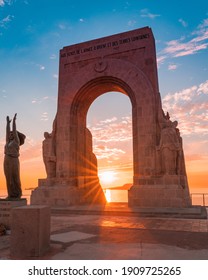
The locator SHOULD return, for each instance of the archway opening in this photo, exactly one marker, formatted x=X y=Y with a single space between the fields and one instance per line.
x=109 y=119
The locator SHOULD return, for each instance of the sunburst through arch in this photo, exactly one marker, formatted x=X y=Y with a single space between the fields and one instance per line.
x=111 y=129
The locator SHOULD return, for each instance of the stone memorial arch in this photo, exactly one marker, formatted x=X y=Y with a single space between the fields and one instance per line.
x=124 y=63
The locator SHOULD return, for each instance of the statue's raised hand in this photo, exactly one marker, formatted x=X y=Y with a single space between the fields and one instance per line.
x=8 y=120
x=15 y=116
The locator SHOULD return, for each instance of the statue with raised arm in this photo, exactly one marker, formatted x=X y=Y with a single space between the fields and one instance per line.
x=14 y=139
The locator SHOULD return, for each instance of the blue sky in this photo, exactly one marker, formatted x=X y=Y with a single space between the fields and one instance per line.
x=33 y=31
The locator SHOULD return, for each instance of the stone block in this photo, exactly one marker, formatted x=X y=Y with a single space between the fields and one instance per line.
x=30 y=231
x=6 y=207
x=159 y=196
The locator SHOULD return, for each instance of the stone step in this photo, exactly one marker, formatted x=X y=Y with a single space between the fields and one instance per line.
x=122 y=209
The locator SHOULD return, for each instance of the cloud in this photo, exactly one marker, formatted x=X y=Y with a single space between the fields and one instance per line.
x=146 y=13
x=5 y=21
x=112 y=139
x=109 y=120
x=131 y=23
x=204 y=24
x=31 y=29
x=3 y=93
x=203 y=88
x=104 y=152
x=32 y=151
x=178 y=48
x=62 y=26
x=41 y=67
x=161 y=59
x=112 y=130
x=40 y=100
x=190 y=107
x=36 y=65
x=172 y=67
x=53 y=56
x=185 y=46
x=55 y=76
x=81 y=20
x=44 y=116
x=4 y=2
x=183 y=22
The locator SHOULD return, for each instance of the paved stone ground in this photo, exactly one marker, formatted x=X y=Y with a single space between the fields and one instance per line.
x=82 y=237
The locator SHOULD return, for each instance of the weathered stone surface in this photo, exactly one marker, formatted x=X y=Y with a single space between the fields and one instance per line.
x=6 y=207
x=2 y=230
x=125 y=63
x=159 y=196
x=30 y=231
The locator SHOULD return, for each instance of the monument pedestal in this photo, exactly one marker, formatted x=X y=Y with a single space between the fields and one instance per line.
x=166 y=191
x=56 y=193
x=6 y=207
x=30 y=234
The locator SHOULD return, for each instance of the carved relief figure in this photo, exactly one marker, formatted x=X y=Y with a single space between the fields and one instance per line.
x=169 y=148
x=49 y=157
x=49 y=151
x=181 y=170
x=11 y=160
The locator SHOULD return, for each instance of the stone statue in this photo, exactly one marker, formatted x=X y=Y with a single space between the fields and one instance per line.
x=181 y=169
x=49 y=157
x=14 y=139
x=170 y=148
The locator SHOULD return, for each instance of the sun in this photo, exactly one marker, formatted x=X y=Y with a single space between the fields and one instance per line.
x=107 y=177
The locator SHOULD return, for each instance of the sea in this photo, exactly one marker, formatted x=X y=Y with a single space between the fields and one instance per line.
x=199 y=196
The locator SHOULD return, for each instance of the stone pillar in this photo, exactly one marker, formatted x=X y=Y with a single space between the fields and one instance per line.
x=30 y=231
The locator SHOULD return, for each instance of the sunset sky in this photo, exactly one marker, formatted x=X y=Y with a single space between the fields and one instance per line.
x=33 y=31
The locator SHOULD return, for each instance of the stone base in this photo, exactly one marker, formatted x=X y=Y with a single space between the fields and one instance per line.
x=164 y=180
x=65 y=195
x=30 y=232
x=5 y=210
x=171 y=196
